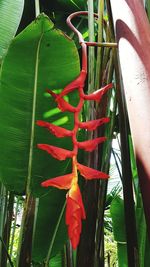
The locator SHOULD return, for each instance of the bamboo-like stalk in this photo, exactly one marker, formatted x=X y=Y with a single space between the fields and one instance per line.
x=86 y=249
x=69 y=255
x=116 y=163
x=100 y=40
x=37 y=8
x=35 y=218
x=104 y=70
x=91 y=49
x=104 y=158
x=54 y=236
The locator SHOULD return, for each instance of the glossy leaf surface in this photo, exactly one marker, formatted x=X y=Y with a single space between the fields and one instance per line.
x=37 y=59
x=10 y=16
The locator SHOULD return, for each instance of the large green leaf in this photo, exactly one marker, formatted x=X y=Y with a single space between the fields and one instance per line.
x=56 y=261
x=40 y=57
x=10 y=16
x=117 y=214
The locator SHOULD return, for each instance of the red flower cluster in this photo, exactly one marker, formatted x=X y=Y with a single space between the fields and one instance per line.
x=75 y=212
x=74 y=206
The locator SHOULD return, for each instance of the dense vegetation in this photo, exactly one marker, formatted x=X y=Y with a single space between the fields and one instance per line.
x=38 y=51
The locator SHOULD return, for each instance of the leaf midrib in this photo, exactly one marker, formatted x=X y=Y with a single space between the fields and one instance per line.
x=33 y=117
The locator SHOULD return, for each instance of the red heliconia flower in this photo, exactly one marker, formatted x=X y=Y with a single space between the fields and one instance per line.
x=56 y=130
x=90 y=145
x=97 y=95
x=65 y=106
x=62 y=104
x=77 y=83
x=61 y=182
x=74 y=214
x=56 y=152
x=89 y=173
x=92 y=125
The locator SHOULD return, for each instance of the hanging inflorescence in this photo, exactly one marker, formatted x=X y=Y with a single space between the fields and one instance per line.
x=75 y=211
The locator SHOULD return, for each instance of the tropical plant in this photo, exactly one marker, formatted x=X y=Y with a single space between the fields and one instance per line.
x=42 y=84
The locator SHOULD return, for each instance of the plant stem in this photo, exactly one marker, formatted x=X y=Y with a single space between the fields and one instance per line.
x=100 y=39
x=91 y=49
x=54 y=236
x=5 y=249
x=37 y=8
x=35 y=218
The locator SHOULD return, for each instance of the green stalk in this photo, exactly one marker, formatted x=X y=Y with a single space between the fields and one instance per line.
x=105 y=162
x=91 y=49
x=85 y=253
x=37 y=8
x=100 y=40
x=147 y=4
x=54 y=236
x=35 y=218
x=104 y=75
x=69 y=255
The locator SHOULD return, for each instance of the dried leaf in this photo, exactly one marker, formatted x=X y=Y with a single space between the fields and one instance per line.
x=56 y=130
x=56 y=152
x=89 y=173
x=90 y=145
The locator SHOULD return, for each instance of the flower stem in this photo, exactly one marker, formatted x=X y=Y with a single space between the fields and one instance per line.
x=37 y=8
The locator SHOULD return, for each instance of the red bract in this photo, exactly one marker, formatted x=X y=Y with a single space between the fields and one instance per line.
x=89 y=173
x=74 y=214
x=56 y=130
x=97 y=95
x=65 y=106
x=56 y=152
x=62 y=104
x=90 y=145
x=77 y=83
x=92 y=125
x=61 y=182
